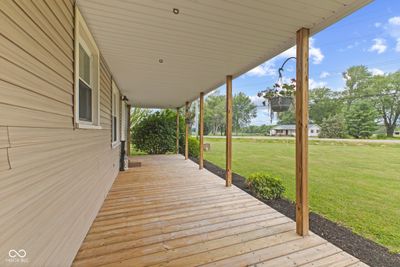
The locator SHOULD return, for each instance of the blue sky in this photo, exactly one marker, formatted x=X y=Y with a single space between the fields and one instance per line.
x=370 y=36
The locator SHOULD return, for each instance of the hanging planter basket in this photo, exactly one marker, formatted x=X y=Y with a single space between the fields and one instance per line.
x=280 y=103
x=189 y=117
x=280 y=96
x=188 y=121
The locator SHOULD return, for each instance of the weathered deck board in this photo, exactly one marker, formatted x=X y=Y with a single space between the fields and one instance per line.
x=169 y=213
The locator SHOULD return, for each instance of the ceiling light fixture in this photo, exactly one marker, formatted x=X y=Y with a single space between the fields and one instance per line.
x=176 y=11
x=161 y=60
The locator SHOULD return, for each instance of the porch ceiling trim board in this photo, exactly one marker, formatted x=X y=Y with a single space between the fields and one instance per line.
x=201 y=44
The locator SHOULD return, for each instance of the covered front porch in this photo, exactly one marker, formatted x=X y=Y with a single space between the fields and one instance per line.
x=168 y=213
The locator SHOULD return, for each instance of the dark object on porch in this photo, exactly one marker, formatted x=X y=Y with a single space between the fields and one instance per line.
x=122 y=156
x=134 y=164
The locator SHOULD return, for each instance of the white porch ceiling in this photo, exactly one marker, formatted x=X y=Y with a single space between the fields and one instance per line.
x=206 y=41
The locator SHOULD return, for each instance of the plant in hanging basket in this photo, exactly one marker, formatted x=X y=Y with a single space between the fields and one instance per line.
x=279 y=97
x=189 y=117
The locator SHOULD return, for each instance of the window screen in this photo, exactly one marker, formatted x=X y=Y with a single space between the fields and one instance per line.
x=85 y=102
x=85 y=90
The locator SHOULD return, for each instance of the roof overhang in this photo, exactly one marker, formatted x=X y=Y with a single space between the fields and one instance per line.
x=160 y=59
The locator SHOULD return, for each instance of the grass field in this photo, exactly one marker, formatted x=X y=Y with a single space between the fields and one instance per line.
x=354 y=184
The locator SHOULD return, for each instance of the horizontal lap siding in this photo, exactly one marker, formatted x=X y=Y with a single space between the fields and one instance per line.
x=105 y=97
x=53 y=177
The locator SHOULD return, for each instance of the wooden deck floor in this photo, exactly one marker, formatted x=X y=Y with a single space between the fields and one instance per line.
x=168 y=213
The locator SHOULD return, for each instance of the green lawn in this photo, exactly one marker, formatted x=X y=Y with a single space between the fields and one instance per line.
x=354 y=184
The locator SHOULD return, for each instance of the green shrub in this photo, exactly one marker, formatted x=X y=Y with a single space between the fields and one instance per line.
x=194 y=146
x=333 y=127
x=156 y=133
x=265 y=185
x=381 y=136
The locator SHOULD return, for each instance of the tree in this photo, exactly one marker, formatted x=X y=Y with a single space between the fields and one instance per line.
x=333 y=127
x=324 y=103
x=156 y=133
x=214 y=114
x=255 y=129
x=138 y=114
x=385 y=92
x=360 y=119
x=243 y=111
x=356 y=78
x=287 y=117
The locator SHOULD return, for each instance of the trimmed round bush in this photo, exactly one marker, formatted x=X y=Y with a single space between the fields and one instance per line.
x=265 y=185
x=194 y=146
x=156 y=133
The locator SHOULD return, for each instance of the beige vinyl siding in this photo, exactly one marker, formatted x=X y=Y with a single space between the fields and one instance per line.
x=105 y=97
x=53 y=177
x=4 y=143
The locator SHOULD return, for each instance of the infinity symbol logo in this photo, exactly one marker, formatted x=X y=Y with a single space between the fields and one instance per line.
x=20 y=253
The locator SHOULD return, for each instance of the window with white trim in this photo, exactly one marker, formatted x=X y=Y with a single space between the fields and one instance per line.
x=115 y=115
x=87 y=77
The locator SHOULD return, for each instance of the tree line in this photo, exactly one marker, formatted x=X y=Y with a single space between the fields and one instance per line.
x=355 y=111
x=244 y=110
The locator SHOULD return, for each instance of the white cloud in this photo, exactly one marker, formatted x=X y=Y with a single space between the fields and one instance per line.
x=316 y=84
x=267 y=68
x=394 y=21
x=315 y=53
x=377 y=24
x=258 y=101
x=355 y=44
x=392 y=27
x=376 y=71
x=324 y=74
x=379 y=45
x=398 y=45
x=291 y=52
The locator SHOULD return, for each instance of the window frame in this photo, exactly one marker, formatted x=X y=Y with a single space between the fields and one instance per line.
x=84 y=38
x=115 y=111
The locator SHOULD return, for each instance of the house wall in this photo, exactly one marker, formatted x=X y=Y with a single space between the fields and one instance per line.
x=53 y=177
x=314 y=131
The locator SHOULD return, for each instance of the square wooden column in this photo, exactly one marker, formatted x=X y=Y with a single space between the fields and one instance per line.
x=177 y=130
x=302 y=211
x=228 y=131
x=128 y=134
x=201 y=131
x=186 y=131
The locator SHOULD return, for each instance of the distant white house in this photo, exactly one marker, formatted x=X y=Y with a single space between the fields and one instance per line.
x=396 y=133
x=290 y=130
